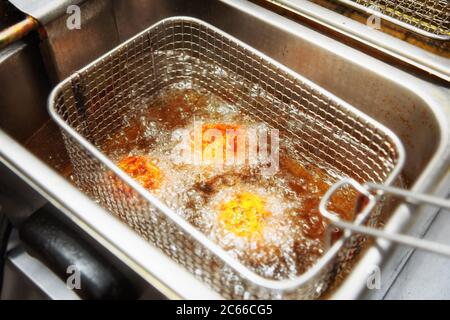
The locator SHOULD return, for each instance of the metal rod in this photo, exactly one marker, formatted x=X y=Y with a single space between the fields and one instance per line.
x=407 y=240
x=17 y=31
x=355 y=226
x=411 y=196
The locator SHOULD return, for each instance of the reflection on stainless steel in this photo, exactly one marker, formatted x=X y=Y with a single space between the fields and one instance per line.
x=67 y=50
x=417 y=111
x=27 y=278
x=24 y=90
x=44 y=11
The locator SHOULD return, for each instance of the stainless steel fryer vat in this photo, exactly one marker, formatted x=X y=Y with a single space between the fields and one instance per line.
x=417 y=110
x=91 y=103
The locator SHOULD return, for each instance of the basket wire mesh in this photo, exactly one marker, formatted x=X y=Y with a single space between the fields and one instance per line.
x=92 y=103
x=431 y=18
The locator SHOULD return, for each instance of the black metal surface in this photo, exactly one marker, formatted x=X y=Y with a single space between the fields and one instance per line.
x=8 y=14
x=58 y=245
x=5 y=231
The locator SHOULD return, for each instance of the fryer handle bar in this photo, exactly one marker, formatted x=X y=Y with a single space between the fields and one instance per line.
x=59 y=245
x=367 y=190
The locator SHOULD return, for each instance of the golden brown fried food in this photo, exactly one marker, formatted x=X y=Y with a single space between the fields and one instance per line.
x=143 y=170
x=244 y=215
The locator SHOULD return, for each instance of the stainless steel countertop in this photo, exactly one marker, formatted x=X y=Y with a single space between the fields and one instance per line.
x=425 y=275
x=422 y=275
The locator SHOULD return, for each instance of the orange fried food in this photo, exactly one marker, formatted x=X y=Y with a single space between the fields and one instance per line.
x=244 y=215
x=143 y=170
x=219 y=138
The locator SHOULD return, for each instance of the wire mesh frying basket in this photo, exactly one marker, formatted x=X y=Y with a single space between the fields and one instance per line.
x=92 y=103
x=430 y=18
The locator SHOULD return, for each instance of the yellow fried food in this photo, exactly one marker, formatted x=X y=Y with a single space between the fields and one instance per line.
x=244 y=215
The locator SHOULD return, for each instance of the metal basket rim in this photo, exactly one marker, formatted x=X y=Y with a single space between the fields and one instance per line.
x=242 y=270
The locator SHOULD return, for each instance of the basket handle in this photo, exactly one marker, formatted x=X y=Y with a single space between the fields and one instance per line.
x=367 y=191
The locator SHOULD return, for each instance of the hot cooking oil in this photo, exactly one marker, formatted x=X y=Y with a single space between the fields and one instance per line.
x=269 y=222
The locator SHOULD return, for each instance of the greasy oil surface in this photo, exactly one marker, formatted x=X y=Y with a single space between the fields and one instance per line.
x=289 y=235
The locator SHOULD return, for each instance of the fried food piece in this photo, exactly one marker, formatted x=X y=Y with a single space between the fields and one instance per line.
x=244 y=215
x=217 y=139
x=143 y=170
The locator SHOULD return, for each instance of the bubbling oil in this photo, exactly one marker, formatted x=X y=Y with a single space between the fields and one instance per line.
x=270 y=223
